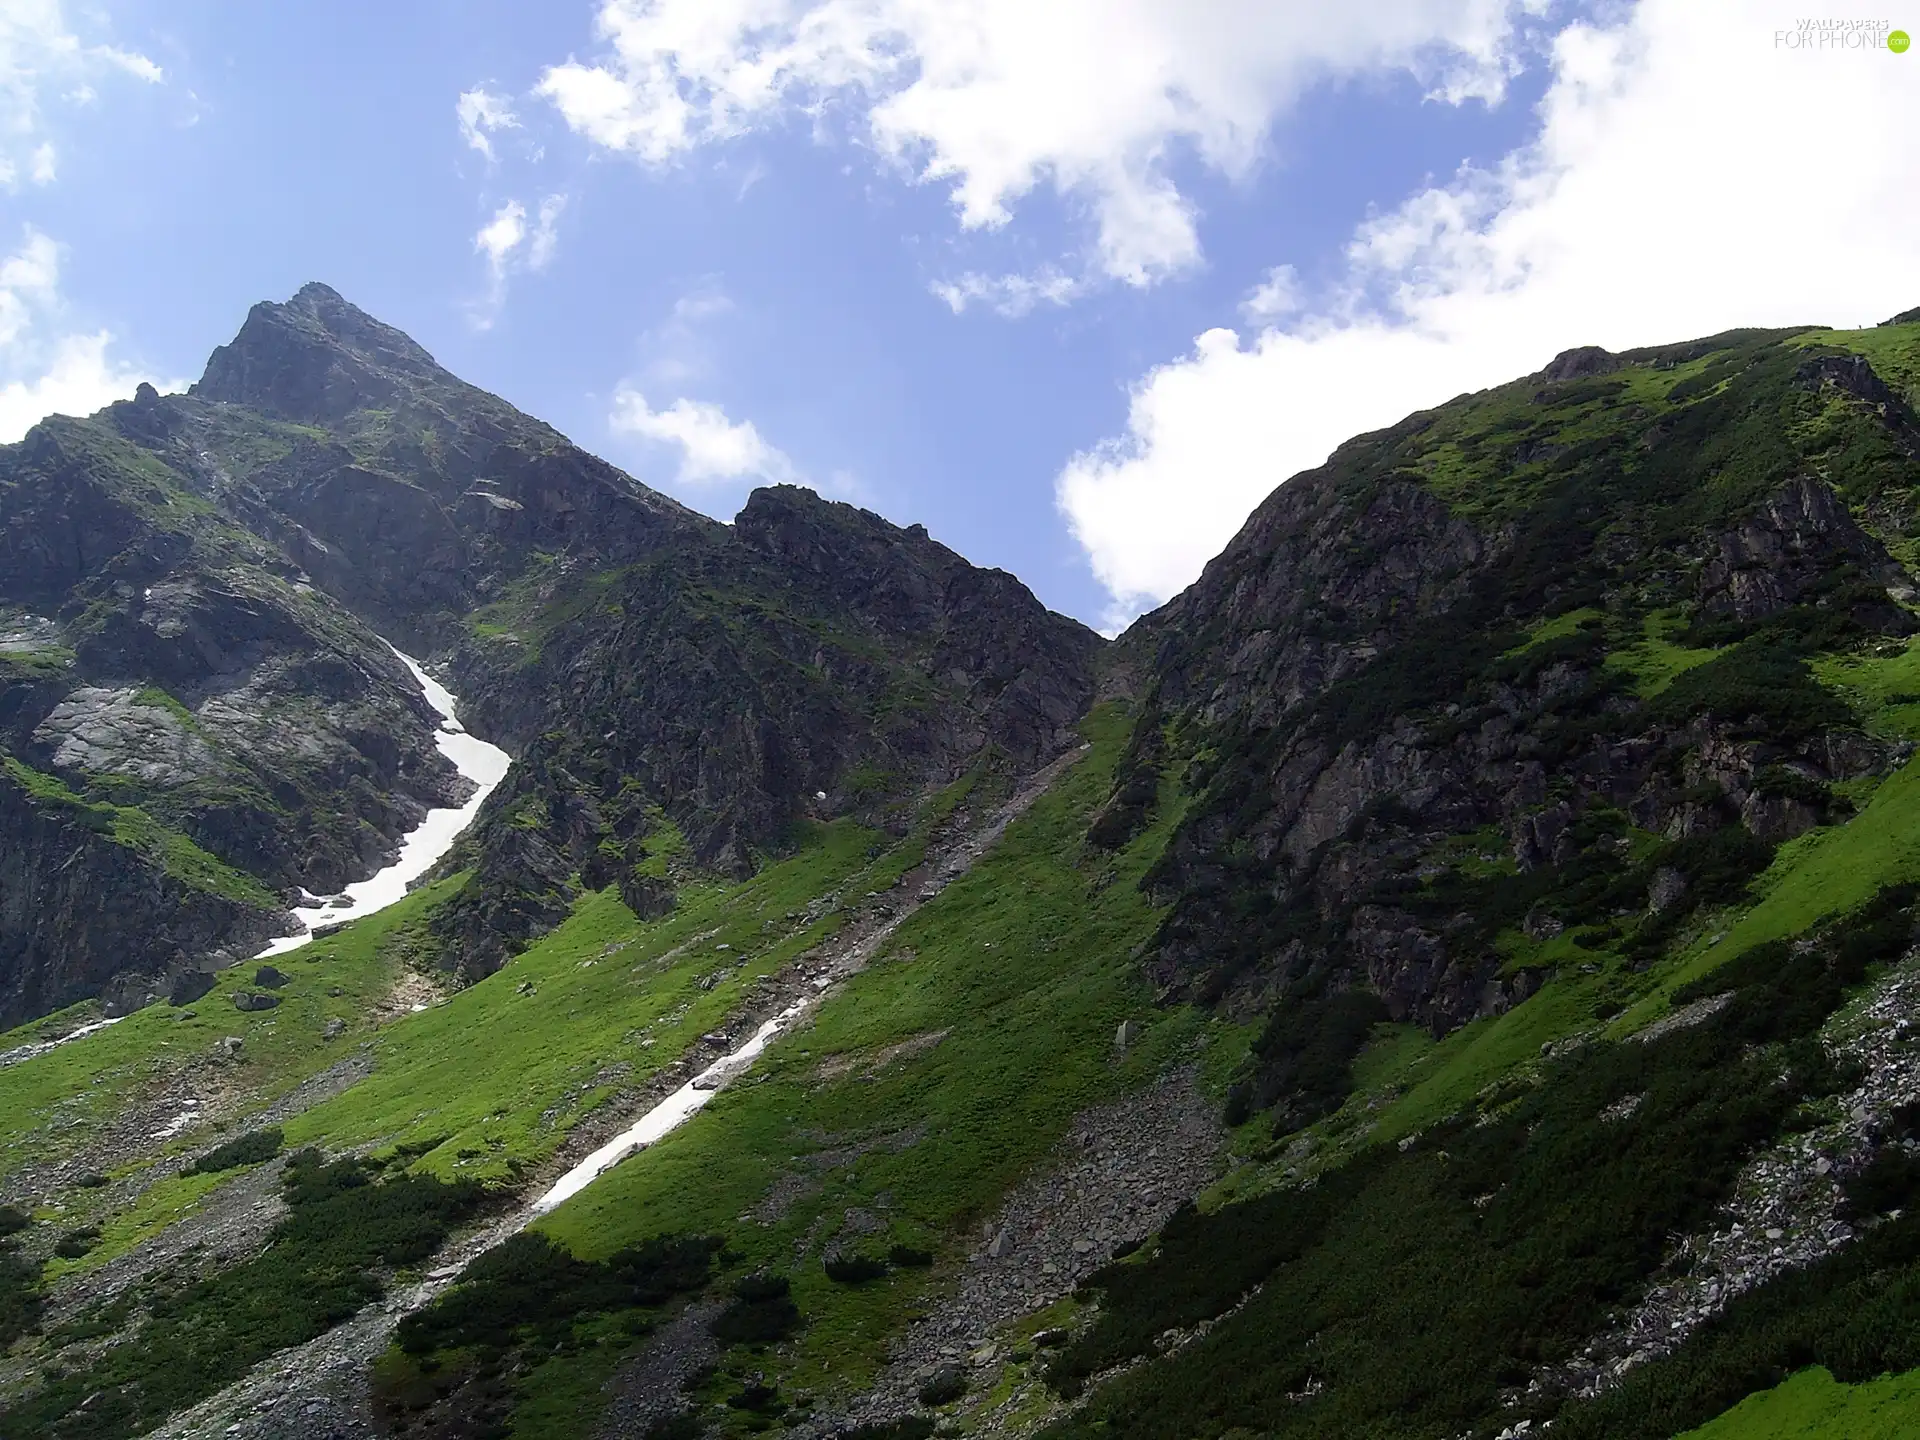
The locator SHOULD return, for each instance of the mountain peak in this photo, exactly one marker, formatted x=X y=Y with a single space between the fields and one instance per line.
x=315 y=359
x=317 y=292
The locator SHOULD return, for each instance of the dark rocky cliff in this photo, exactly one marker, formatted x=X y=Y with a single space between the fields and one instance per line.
x=1532 y=663
x=181 y=679
x=811 y=662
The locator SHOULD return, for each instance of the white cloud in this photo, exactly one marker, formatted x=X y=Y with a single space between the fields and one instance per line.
x=508 y=245
x=40 y=51
x=29 y=281
x=685 y=348
x=1679 y=184
x=546 y=232
x=481 y=112
x=1009 y=295
x=1277 y=295
x=712 y=447
x=42 y=372
x=80 y=378
x=501 y=236
x=1095 y=99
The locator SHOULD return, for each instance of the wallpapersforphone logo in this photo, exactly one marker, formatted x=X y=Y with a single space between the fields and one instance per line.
x=1827 y=36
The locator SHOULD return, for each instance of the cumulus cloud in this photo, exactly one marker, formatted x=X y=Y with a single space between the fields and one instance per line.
x=1095 y=99
x=1677 y=185
x=480 y=112
x=42 y=56
x=79 y=378
x=42 y=371
x=712 y=447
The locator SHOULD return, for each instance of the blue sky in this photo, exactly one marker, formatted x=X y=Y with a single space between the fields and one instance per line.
x=1004 y=268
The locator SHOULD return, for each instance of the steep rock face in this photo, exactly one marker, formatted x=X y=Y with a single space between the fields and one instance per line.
x=1317 y=583
x=315 y=361
x=84 y=914
x=1801 y=537
x=166 y=665
x=814 y=661
x=406 y=492
x=1423 y=697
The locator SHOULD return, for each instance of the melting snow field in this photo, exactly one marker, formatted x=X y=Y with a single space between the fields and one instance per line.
x=668 y=1114
x=27 y=1052
x=484 y=764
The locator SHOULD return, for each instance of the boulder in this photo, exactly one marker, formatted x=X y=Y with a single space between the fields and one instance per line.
x=189 y=986
x=1665 y=890
x=1580 y=362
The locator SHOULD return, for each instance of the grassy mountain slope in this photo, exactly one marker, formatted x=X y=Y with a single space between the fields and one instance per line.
x=1506 y=859
x=1811 y=1406
x=1021 y=971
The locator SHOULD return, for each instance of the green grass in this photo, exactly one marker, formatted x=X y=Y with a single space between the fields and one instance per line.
x=1654 y=662
x=606 y=1002
x=1814 y=1406
x=53 y=1101
x=1818 y=874
x=165 y=1202
x=1556 y=628
x=1484 y=1052
x=1892 y=350
x=155 y=698
x=42 y=662
x=1023 y=969
x=1392 y=1053
x=1883 y=687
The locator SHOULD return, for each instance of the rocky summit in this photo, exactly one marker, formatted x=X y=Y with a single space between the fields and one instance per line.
x=1449 y=973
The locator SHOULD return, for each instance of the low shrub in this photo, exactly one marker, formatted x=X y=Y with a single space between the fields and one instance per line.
x=322 y=1264
x=1890 y=1182
x=1757 y=688
x=914 y=1427
x=249 y=1149
x=854 y=1269
x=21 y=1301
x=757 y=1399
x=1304 y=1058
x=531 y=1287
x=1414 y=1290
x=761 y=1313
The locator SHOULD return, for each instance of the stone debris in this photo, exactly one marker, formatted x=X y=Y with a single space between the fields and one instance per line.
x=1784 y=1214
x=1119 y=1174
